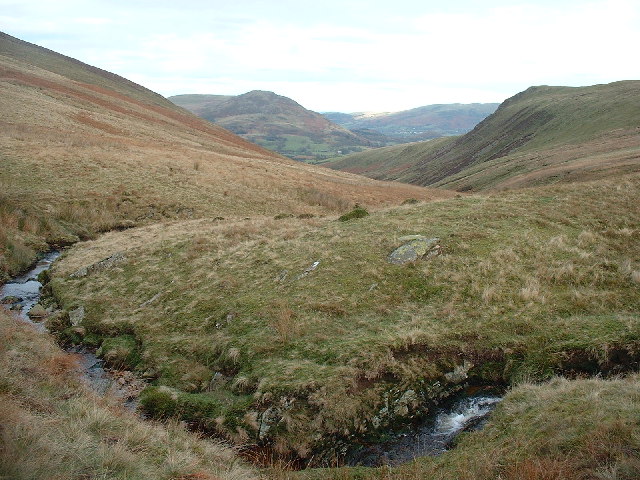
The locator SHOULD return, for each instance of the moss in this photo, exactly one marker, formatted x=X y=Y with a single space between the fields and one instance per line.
x=44 y=277
x=92 y=340
x=71 y=336
x=199 y=408
x=120 y=352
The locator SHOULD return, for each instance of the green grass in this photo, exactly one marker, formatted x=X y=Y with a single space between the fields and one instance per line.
x=530 y=284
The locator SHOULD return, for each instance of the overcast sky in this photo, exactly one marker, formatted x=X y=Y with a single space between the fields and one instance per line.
x=342 y=55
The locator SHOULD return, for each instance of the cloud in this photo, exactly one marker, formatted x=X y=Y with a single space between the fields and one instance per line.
x=367 y=56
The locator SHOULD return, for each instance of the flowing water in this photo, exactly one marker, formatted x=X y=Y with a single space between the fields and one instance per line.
x=434 y=436
x=25 y=290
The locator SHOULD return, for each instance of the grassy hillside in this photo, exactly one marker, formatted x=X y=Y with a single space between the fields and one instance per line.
x=84 y=151
x=430 y=121
x=543 y=135
x=529 y=284
x=387 y=163
x=52 y=427
x=75 y=70
x=277 y=123
x=540 y=136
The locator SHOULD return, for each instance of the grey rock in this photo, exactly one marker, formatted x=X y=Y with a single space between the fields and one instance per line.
x=104 y=264
x=282 y=276
x=417 y=247
x=459 y=373
x=310 y=269
x=151 y=300
x=76 y=316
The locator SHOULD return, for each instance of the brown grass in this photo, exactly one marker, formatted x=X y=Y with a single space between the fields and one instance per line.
x=78 y=159
x=52 y=427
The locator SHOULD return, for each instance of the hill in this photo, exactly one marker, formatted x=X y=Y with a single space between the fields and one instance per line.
x=421 y=123
x=83 y=151
x=387 y=163
x=539 y=136
x=275 y=122
x=542 y=135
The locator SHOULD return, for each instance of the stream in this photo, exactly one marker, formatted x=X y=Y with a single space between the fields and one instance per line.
x=23 y=292
x=434 y=436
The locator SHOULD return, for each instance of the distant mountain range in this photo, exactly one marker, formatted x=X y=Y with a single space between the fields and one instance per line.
x=542 y=135
x=282 y=125
x=277 y=123
x=420 y=123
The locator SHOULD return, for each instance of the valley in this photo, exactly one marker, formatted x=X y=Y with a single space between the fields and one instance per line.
x=280 y=124
x=285 y=318
x=540 y=136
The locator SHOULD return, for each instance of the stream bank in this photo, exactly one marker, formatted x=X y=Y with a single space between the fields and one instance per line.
x=22 y=295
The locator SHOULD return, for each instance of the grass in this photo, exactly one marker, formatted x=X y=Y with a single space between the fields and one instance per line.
x=52 y=427
x=83 y=151
x=530 y=284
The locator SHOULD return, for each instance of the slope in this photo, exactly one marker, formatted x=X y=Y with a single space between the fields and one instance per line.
x=429 y=121
x=83 y=151
x=387 y=163
x=275 y=122
x=542 y=135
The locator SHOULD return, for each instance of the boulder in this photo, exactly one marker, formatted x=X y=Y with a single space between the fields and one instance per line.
x=415 y=248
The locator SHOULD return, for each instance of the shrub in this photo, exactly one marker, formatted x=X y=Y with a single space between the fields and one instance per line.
x=357 y=212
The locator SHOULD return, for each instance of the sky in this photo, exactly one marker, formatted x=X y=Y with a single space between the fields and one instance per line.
x=346 y=56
